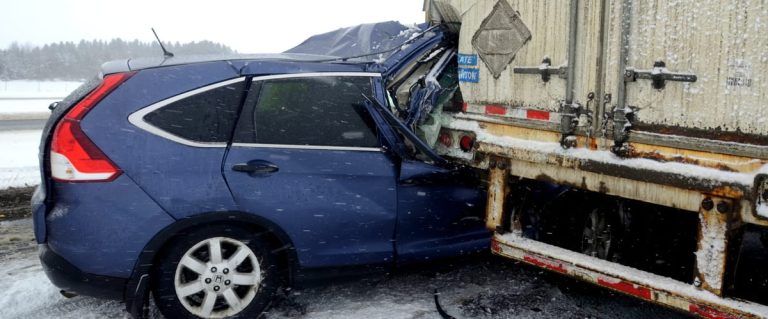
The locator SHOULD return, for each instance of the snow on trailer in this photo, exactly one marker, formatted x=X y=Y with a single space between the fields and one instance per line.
x=636 y=102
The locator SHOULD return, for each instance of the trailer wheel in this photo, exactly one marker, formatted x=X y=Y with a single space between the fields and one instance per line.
x=599 y=234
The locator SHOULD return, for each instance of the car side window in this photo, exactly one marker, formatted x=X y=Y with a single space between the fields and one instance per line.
x=315 y=111
x=207 y=117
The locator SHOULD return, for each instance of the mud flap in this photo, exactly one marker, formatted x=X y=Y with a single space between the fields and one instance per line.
x=138 y=304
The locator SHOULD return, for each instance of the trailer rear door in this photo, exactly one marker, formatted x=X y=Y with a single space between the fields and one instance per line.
x=695 y=71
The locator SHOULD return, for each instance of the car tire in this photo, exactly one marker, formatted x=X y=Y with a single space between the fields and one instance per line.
x=218 y=271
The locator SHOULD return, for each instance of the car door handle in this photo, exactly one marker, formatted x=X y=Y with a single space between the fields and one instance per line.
x=256 y=167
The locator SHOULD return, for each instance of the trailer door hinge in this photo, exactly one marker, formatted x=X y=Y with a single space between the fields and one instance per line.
x=570 y=115
x=545 y=70
x=659 y=75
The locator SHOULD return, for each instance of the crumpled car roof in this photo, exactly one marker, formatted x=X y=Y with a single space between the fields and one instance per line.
x=367 y=42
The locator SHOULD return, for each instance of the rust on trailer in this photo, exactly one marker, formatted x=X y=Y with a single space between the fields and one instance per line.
x=714 y=133
x=723 y=162
x=683 y=180
x=497 y=192
x=677 y=188
x=728 y=192
x=521 y=132
x=593 y=143
x=677 y=180
x=719 y=233
x=666 y=189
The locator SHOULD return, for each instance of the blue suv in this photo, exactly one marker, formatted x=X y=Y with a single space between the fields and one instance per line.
x=212 y=183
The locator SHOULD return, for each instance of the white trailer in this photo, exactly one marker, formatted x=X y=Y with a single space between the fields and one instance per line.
x=660 y=102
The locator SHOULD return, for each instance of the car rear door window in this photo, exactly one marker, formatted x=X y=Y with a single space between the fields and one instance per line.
x=207 y=117
x=315 y=111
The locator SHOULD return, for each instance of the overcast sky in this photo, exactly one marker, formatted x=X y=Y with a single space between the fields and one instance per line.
x=248 y=26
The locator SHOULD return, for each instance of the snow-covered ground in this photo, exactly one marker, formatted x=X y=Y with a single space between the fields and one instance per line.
x=27 y=88
x=30 y=99
x=18 y=108
x=484 y=287
x=18 y=163
x=24 y=100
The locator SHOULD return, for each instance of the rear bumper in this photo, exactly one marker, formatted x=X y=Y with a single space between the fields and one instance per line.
x=38 y=212
x=69 y=278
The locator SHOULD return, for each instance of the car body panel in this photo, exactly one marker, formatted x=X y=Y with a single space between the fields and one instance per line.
x=440 y=213
x=184 y=180
x=338 y=207
x=41 y=202
x=423 y=43
x=100 y=233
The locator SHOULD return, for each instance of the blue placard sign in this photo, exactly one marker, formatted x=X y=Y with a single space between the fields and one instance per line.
x=467 y=59
x=469 y=75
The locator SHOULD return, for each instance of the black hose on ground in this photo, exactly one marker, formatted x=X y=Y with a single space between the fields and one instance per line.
x=440 y=310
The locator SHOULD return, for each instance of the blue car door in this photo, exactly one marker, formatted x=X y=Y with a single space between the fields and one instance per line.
x=440 y=206
x=440 y=212
x=306 y=156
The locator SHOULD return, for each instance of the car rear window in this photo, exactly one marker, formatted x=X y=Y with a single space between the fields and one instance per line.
x=207 y=117
x=317 y=111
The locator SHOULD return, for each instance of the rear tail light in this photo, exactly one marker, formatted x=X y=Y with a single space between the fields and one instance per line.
x=74 y=157
x=467 y=143
x=445 y=139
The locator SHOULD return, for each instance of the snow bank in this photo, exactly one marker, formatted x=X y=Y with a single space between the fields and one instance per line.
x=26 y=88
x=19 y=164
x=23 y=97
x=16 y=107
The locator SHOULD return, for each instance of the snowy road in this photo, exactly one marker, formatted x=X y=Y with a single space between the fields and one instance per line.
x=486 y=287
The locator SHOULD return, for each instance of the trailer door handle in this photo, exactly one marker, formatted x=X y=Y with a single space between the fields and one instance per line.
x=545 y=70
x=659 y=75
x=256 y=167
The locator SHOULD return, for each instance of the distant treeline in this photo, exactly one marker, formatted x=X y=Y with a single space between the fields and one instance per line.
x=78 y=61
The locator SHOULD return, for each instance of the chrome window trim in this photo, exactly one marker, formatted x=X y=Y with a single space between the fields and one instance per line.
x=315 y=74
x=310 y=147
x=137 y=118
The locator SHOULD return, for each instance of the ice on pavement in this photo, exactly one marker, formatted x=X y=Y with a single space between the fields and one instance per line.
x=28 y=293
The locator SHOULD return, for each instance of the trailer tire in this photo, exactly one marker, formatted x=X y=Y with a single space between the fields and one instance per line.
x=599 y=236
